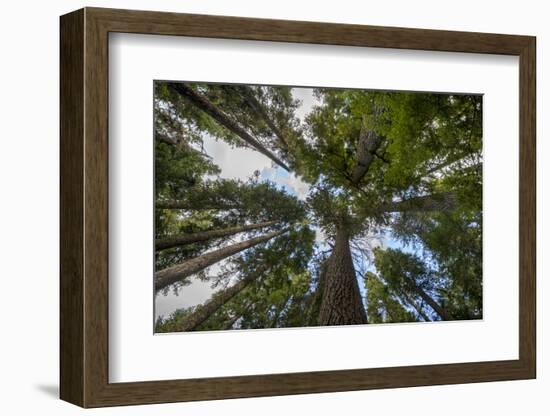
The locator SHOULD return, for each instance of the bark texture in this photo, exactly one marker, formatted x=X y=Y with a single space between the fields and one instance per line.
x=341 y=303
x=445 y=201
x=369 y=141
x=183 y=239
x=180 y=271
x=217 y=114
x=210 y=307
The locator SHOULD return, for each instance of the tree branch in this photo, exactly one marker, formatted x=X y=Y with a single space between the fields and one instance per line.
x=445 y=201
x=217 y=114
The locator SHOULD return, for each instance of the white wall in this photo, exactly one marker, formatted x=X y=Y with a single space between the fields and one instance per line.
x=29 y=220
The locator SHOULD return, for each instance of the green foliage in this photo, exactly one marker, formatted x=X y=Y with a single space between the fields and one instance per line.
x=430 y=144
x=453 y=242
x=383 y=305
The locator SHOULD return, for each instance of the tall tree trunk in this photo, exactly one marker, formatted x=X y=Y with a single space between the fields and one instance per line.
x=185 y=205
x=342 y=303
x=279 y=312
x=181 y=240
x=477 y=168
x=230 y=322
x=180 y=271
x=315 y=307
x=210 y=307
x=445 y=201
x=442 y=165
x=259 y=109
x=217 y=114
x=433 y=304
x=369 y=141
x=412 y=303
x=449 y=162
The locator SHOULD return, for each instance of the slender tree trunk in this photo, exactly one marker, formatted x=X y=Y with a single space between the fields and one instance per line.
x=217 y=114
x=230 y=322
x=279 y=312
x=449 y=162
x=185 y=205
x=433 y=304
x=445 y=201
x=442 y=165
x=369 y=141
x=318 y=296
x=259 y=109
x=342 y=303
x=181 y=240
x=210 y=307
x=180 y=271
x=415 y=306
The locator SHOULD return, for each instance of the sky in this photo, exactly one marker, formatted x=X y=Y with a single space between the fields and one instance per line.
x=240 y=163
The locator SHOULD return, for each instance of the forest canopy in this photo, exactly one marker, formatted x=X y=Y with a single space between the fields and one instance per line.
x=286 y=207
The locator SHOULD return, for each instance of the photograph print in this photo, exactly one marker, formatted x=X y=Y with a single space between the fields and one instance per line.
x=282 y=206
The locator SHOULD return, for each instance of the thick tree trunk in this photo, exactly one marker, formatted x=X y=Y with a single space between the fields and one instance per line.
x=180 y=271
x=433 y=304
x=185 y=205
x=369 y=141
x=445 y=201
x=210 y=307
x=209 y=108
x=342 y=303
x=181 y=240
x=368 y=144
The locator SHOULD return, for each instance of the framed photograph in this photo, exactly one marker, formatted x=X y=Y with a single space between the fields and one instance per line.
x=257 y=207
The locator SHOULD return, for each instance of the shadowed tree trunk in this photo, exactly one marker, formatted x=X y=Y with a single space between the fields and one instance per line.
x=433 y=304
x=230 y=322
x=445 y=201
x=217 y=114
x=279 y=312
x=369 y=141
x=318 y=296
x=207 y=309
x=449 y=162
x=180 y=271
x=181 y=240
x=341 y=304
x=411 y=302
x=259 y=109
x=173 y=204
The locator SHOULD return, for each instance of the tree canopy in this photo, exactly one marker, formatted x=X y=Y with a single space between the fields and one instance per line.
x=389 y=229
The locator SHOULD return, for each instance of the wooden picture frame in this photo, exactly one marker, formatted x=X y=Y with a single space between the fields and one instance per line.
x=84 y=207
